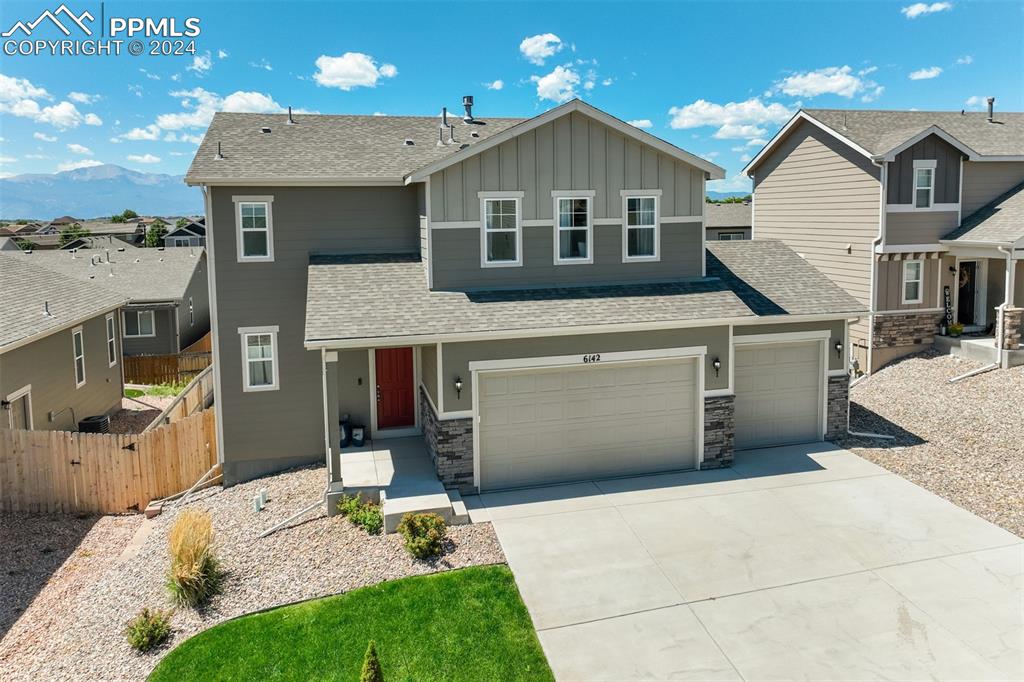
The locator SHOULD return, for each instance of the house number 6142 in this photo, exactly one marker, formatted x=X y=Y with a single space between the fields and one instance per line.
x=594 y=357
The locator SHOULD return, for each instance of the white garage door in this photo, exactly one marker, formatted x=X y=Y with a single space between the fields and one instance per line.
x=778 y=394
x=573 y=423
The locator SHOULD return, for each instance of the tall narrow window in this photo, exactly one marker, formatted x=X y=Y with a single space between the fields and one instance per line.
x=78 y=345
x=255 y=229
x=641 y=232
x=111 y=340
x=191 y=312
x=573 y=230
x=501 y=232
x=924 y=183
x=913 y=272
x=259 y=358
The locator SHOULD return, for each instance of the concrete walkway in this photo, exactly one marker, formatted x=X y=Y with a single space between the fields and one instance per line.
x=800 y=562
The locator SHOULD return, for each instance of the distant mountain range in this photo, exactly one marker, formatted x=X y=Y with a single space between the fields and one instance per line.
x=726 y=195
x=96 y=191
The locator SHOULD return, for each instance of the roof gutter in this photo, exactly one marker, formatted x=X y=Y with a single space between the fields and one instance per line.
x=326 y=181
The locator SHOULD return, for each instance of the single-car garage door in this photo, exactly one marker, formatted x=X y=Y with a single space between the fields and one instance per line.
x=778 y=393
x=573 y=423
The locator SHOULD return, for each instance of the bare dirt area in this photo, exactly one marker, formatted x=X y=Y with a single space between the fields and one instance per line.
x=962 y=441
x=80 y=635
x=136 y=414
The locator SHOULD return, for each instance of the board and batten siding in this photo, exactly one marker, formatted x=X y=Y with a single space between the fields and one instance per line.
x=573 y=152
x=947 y=171
x=820 y=197
x=889 y=292
x=986 y=180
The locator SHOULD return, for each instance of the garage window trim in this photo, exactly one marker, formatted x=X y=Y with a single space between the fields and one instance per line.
x=254 y=228
x=259 y=359
x=501 y=229
x=641 y=226
x=78 y=348
x=913 y=274
x=574 y=227
x=139 y=324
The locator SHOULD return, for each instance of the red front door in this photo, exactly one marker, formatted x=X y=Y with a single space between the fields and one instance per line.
x=396 y=403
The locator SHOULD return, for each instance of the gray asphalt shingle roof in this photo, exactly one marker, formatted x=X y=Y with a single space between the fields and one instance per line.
x=139 y=275
x=387 y=296
x=328 y=146
x=880 y=131
x=28 y=288
x=1001 y=221
x=727 y=215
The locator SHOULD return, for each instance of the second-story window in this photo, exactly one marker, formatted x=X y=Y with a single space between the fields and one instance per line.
x=641 y=238
x=573 y=230
x=924 y=184
x=255 y=234
x=502 y=243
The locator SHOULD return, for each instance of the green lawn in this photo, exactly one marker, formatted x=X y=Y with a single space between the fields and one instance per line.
x=468 y=624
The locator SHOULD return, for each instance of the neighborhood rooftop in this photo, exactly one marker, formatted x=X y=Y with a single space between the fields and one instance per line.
x=139 y=275
x=999 y=222
x=29 y=291
x=727 y=215
x=743 y=288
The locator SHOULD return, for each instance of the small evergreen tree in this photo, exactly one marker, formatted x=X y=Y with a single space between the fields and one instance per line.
x=155 y=233
x=371 y=666
x=128 y=213
x=72 y=232
x=182 y=222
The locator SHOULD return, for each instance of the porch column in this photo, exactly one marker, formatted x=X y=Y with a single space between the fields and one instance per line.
x=332 y=429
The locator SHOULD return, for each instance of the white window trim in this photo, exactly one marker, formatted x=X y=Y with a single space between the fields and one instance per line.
x=918 y=165
x=23 y=392
x=111 y=330
x=177 y=241
x=587 y=194
x=191 y=313
x=269 y=201
x=904 y=281
x=499 y=196
x=626 y=195
x=244 y=333
x=77 y=331
x=124 y=325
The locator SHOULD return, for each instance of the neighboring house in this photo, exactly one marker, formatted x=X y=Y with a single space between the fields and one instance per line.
x=532 y=296
x=60 y=353
x=191 y=234
x=166 y=291
x=9 y=244
x=98 y=242
x=727 y=222
x=915 y=213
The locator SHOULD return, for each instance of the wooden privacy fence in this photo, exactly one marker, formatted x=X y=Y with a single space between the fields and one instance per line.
x=164 y=369
x=198 y=395
x=59 y=471
x=203 y=345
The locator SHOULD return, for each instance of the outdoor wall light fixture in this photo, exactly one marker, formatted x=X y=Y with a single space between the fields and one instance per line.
x=458 y=387
x=839 y=349
x=717 y=364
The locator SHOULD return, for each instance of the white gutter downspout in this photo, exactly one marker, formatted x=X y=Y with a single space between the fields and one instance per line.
x=875 y=243
x=1009 y=283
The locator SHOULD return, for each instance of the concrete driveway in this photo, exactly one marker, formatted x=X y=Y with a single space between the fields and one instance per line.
x=802 y=562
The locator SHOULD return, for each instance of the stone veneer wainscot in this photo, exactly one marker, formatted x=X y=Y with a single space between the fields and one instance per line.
x=719 y=431
x=450 y=444
x=905 y=329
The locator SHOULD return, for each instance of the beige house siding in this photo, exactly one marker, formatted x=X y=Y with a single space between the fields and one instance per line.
x=822 y=199
x=986 y=180
x=888 y=293
x=919 y=227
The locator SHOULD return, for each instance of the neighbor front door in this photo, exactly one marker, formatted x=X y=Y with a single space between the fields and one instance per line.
x=967 y=289
x=396 y=400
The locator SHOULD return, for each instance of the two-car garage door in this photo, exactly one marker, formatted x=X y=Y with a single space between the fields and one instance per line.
x=565 y=423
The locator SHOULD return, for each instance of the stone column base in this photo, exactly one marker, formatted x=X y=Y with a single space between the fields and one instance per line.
x=719 y=431
x=1010 y=328
x=838 y=407
x=450 y=444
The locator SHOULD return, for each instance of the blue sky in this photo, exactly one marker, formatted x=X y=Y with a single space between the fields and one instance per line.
x=714 y=78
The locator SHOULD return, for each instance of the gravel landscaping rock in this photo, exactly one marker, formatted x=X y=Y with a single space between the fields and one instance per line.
x=962 y=441
x=314 y=557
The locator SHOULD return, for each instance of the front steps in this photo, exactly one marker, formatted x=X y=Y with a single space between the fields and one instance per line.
x=978 y=348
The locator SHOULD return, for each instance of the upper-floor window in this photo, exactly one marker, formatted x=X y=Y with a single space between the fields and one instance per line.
x=501 y=243
x=139 y=323
x=182 y=241
x=78 y=346
x=111 y=341
x=731 y=236
x=259 y=358
x=255 y=229
x=640 y=231
x=924 y=183
x=573 y=229
x=913 y=272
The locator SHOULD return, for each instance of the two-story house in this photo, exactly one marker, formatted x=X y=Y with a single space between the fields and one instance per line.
x=918 y=214
x=534 y=297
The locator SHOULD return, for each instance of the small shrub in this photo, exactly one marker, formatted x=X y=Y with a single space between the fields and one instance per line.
x=195 y=573
x=148 y=629
x=371 y=666
x=423 y=534
x=366 y=515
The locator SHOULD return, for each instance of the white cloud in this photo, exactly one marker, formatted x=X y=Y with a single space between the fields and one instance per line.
x=201 y=63
x=867 y=71
x=495 y=85
x=14 y=89
x=874 y=93
x=61 y=116
x=8 y=159
x=75 y=148
x=150 y=132
x=176 y=78
x=262 y=64
x=834 y=80
x=75 y=165
x=734 y=120
x=82 y=97
x=745 y=157
x=557 y=86
x=150 y=76
x=44 y=137
x=641 y=123
x=709 y=155
x=183 y=137
x=222 y=54
x=379 y=113
x=976 y=102
x=145 y=158
x=607 y=81
x=18 y=98
x=136 y=90
x=351 y=70
x=925 y=74
x=198 y=107
x=966 y=59
x=757 y=142
x=36 y=156
x=92 y=119
x=539 y=47
x=919 y=9
x=737 y=183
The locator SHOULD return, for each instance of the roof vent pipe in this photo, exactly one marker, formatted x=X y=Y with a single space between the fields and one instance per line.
x=467 y=102
x=291 y=121
x=991 y=107
x=46 y=309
